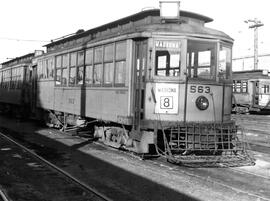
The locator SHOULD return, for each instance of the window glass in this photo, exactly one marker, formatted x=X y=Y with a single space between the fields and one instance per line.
x=98 y=55
x=39 y=69
x=264 y=89
x=244 y=87
x=108 y=53
x=80 y=75
x=13 y=77
x=73 y=58
x=201 y=61
x=80 y=58
x=167 y=63
x=89 y=56
x=58 y=77
x=65 y=60
x=51 y=72
x=58 y=61
x=108 y=73
x=97 y=74
x=167 y=58
x=88 y=74
x=45 y=69
x=72 y=75
x=120 y=72
x=225 y=62
x=121 y=50
x=238 y=86
x=64 y=76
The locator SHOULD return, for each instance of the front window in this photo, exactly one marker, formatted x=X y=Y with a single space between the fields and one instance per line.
x=201 y=59
x=167 y=58
x=225 y=63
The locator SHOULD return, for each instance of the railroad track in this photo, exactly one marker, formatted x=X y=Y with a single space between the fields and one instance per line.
x=84 y=192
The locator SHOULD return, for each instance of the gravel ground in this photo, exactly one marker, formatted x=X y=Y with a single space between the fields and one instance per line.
x=112 y=171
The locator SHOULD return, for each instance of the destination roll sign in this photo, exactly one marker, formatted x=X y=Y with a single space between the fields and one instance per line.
x=168 y=44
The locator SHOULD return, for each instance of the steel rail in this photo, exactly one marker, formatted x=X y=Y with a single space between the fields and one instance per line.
x=3 y=196
x=66 y=174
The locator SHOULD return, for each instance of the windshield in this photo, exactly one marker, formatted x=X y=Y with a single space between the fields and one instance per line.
x=201 y=59
x=225 y=62
x=167 y=58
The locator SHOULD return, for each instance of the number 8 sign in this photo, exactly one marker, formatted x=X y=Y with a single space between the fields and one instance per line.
x=167 y=98
x=166 y=102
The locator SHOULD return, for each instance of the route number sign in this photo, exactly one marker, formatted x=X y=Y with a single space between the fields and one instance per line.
x=167 y=98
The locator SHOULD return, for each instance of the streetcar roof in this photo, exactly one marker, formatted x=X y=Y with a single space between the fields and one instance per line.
x=22 y=59
x=125 y=20
x=251 y=74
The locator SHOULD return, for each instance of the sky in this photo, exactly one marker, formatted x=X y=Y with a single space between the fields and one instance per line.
x=27 y=25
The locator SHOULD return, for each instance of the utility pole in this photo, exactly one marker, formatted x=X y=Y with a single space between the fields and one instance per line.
x=254 y=25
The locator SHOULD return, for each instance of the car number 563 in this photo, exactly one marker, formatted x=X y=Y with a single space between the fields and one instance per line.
x=199 y=89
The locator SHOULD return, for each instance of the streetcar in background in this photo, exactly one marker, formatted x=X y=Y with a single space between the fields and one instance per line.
x=155 y=82
x=17 y=89
x=251 y=91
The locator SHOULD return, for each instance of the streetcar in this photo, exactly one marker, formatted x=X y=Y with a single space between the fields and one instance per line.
x=155 y=83
x=251 y=91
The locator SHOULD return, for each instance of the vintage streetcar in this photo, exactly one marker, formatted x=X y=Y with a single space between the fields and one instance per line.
x=251 y=91
x=153 y=83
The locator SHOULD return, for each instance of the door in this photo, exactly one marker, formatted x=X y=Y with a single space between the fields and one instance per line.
x=139 y=82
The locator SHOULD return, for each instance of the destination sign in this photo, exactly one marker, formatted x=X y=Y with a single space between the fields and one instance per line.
x=168 y=44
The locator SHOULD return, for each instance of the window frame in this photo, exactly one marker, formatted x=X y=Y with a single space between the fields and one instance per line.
x=119 y=60
x=96 y=62
x=193 y=57
x=175 y=46
x=90 y=64
x=242 y=85
x=78 y=66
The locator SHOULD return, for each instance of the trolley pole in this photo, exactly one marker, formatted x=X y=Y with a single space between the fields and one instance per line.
x=255 y=24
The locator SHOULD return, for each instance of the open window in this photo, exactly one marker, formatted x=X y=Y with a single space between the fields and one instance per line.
x=225 y=63
x=167 y=61
x=201 y=59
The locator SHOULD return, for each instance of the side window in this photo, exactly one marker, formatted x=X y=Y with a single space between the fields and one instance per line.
x=240 y=86
x=97 y=72
x=265 y=89
x=39 y=69
x=89 y=66
x=120 y=63
x=1 y=75
x=108 y=64
x=45 y=69
x=58 y=70
x=65 y=64
x=62 y=75
x=244 y=87
x=80 y=68
x=72 y=68
x=16 y=77
x=6 y=78
x=50 y=63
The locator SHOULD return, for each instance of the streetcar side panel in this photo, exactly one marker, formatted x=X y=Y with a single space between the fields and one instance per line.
x=12 y=87
x=45 y=94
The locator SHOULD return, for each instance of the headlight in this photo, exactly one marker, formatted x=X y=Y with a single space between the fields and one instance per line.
x=202 y=103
